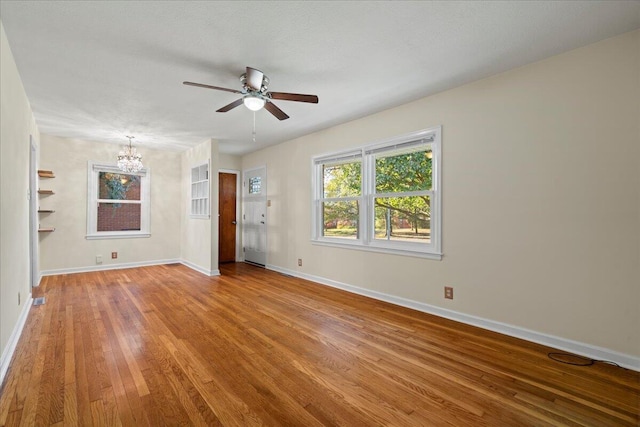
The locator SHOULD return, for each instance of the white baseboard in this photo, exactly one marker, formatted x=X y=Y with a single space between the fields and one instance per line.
x=199 y=269
x=588 y=350
x=7 y=353
x=101 y=267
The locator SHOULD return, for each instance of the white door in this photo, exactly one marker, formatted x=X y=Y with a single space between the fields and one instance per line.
x=254 y=215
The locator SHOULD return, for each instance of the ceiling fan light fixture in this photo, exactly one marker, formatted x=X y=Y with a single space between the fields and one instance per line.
x=253 y=103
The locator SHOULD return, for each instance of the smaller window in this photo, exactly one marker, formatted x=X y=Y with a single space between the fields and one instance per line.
x=200 y=191
x=118 y=202
x=341 y=198
x=255 y=185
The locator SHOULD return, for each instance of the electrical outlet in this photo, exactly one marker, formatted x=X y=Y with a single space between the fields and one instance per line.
x=114 y=255
x=98 y=259
x=448 y=292
x=299 y=262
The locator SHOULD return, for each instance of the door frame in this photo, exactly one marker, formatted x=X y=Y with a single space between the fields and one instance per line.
x=34 y=272
x=266 y=213
x=239 y=257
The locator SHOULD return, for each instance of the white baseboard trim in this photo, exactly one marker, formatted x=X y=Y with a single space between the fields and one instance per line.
x=588 y=350
x=199 y=269
x=7 y=353
x=101 y=267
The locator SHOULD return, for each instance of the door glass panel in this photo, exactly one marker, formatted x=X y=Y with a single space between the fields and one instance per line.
x=255 y=185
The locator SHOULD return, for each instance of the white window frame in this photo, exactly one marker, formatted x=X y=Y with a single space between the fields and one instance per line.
x=93 y=176
x=433 y=250
x=198 y=197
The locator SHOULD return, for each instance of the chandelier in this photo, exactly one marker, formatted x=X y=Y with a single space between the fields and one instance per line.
x=129 y=160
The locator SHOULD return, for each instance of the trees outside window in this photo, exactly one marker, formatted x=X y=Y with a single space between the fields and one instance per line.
x=383 y=197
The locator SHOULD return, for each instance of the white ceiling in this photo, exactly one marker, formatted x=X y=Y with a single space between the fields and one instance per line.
x=103 y=70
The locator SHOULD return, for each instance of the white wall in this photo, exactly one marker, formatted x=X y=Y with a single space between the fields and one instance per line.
x=67 y=248
x=16 y=124
x=541 y=208
x=199 y=236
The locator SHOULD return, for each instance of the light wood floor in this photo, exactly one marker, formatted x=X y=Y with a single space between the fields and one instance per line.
x=165 y=345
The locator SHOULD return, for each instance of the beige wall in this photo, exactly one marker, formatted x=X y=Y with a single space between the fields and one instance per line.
x=199 y=237
x=541 y=208
x=16 y=124
x=229 y=161
x=67 y=247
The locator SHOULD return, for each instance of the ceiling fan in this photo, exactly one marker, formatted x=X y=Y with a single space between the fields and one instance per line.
x=255 y=94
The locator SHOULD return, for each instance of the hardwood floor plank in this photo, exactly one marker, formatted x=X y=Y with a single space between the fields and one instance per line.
x=165 y=345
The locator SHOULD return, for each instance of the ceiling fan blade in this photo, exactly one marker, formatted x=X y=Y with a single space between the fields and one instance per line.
x=271 y=107
x=294 y=97
x=254 y=78
x=231 y=106
x=211 y=87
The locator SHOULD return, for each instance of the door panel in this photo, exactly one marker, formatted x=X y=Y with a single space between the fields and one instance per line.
x=254 y=225
x=227 y=220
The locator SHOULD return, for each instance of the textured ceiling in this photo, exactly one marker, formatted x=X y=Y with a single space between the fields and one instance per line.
x=102 y=70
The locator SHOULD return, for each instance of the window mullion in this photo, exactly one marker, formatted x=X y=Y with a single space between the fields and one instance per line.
x=339 y=199
x=368 y=178
x=405 y=194
x=124 y=201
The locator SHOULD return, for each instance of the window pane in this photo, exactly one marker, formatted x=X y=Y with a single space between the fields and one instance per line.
x=255 y=185
x=119 y=216
x=404 y=172
x=342 y=180
x=406 y=219
x=340 y=219
x=119 y=186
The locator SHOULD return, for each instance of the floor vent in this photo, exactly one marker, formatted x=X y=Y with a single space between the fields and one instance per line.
x=38 y=301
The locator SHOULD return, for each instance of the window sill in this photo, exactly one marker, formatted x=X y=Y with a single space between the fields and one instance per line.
x=393 y=251
x=116 y=235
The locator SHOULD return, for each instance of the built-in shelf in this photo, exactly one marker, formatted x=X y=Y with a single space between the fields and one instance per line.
x=46 y=174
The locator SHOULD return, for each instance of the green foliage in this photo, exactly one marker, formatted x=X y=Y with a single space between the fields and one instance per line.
x=118 y=185
x=394 y=174
x=342 y=180
x=404 y=172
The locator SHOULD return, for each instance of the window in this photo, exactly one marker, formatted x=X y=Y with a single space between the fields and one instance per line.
x=200 y=191
x=382 y=197
x=255 y=185
x=118 y=203
x=341 y=196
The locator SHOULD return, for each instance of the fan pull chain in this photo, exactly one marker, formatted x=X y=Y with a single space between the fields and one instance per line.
x=254 y=127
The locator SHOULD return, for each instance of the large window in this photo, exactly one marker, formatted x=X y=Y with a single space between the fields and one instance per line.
x=118 y=203
x=382 y=197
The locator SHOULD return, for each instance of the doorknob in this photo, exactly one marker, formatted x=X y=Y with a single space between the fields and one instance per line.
x=261 y=222
x=234 y=222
